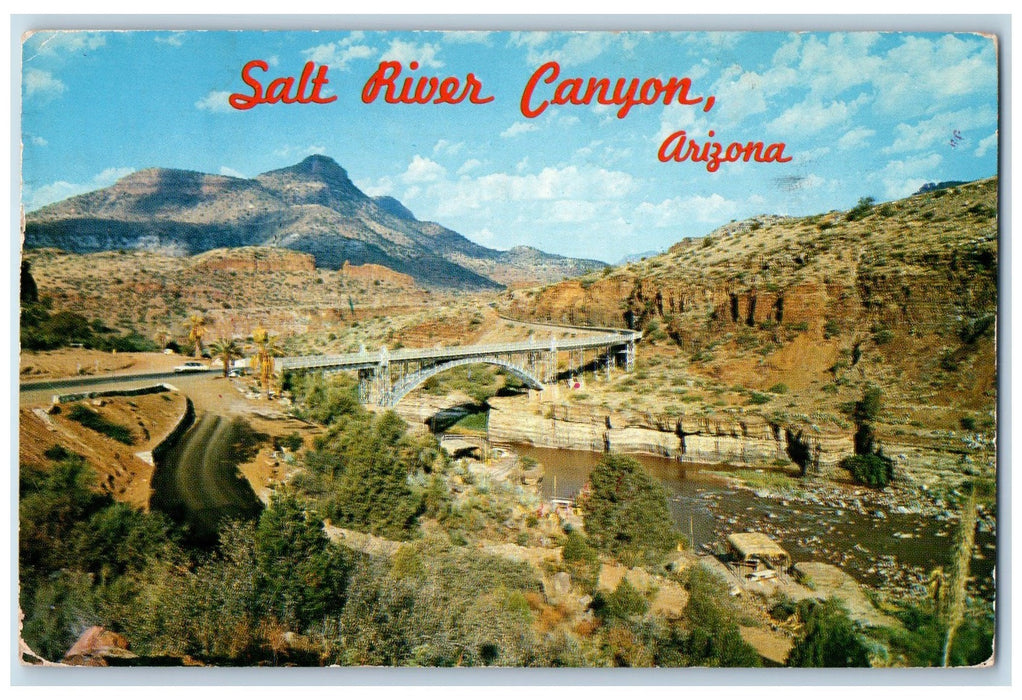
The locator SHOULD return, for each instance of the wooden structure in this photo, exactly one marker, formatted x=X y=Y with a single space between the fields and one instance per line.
x=754 y=551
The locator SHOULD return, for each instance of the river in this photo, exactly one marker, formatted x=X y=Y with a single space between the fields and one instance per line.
x=874 y=536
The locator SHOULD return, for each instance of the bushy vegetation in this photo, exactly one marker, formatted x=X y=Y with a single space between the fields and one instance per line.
x=713 y=638
x=623 y=603
x=434 y=604
x=359 y=471
x=626 y=512
x=921 y=640
x=93 y=421
x=42 y=329
x=581 y=560
x=873 y=470
x=79 y=553
x=861 y=210
x=868 y=465
x=829 y=638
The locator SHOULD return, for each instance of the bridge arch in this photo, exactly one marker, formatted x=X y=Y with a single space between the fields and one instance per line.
x=411 y=382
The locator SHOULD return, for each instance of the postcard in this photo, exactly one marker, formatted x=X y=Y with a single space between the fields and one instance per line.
x=434 y=348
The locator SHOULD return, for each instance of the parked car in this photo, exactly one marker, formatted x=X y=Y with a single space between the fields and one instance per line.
x=190 y=367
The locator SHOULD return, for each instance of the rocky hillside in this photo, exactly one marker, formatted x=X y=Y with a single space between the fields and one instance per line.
x=312 y=207
x=791 y=318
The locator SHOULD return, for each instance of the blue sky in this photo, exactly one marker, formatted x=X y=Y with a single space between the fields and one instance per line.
x=861 y=114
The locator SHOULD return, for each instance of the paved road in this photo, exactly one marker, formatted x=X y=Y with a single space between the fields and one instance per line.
x=202 y=387
x=87 y=383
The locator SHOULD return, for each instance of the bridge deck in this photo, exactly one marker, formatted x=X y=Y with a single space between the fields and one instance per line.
x=365 y=360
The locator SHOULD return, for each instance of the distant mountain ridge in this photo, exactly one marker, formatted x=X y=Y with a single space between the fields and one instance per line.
x=312 y=207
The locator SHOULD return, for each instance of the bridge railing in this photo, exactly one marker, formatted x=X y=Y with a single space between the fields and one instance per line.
x=371 y=359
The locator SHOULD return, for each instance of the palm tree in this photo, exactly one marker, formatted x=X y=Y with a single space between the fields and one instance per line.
x=196 y=329
x=226 y=350
x=264 y=357
x=163 y=337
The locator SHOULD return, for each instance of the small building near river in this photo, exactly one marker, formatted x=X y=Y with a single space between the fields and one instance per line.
x=754 y=551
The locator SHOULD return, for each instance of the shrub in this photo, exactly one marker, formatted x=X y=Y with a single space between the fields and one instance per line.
x=626 y=512
x=624 y=602
x=874 y=470
x=882 y=336
x=583 y=563
x=829 y=638
x=93 y=421
x=860 y=210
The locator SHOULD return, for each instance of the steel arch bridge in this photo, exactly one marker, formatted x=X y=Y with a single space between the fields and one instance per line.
x=411 y=382
x=387 y=377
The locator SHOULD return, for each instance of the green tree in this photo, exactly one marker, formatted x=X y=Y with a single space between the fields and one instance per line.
x=713 y=638
x=581 y=560
x=829 y=638
x=623 y=603
x=227 y=351
x=301 y=575
x=868 y=465
x=861 y=209
x=874 y=470
x=626 y=513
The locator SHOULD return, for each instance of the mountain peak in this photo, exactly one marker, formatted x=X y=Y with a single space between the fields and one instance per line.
x=394 y=207
x=321 y=165
x=313 y=168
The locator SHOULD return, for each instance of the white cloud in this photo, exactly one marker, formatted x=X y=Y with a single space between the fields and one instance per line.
x=922 y=71
x=423 y=170
x=406 y=51
x=467 y=37
x=69 y=42
x=901 y=178
x=443 y=147
x=173 y=39
x=939 y=129
x=215 y=101
x=469 y=165
x=856 y=138
x=57 y=191
x=695 y=123
x=841 y=62
x=340 y=53
x=986 y=144
x=572 y=211
x=41 y=84
x=518 y=128
x=299 y=152
x=552 y=184
x=231 y=172
x=740 y=94
x=813 y=116
x=577 y=48
x=678 y=211
x=484 y=236
x=384 y=185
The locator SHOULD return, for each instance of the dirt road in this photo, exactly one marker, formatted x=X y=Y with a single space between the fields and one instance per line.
x=197 y=482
